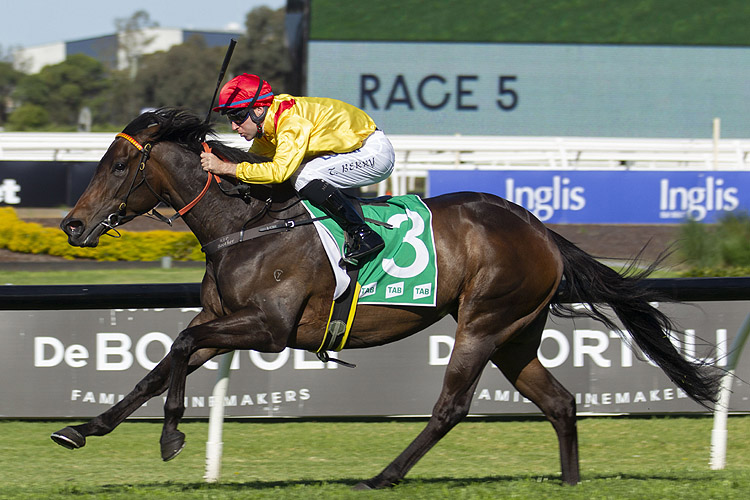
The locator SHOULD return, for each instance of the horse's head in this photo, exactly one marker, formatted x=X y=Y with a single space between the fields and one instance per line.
x=129 y=179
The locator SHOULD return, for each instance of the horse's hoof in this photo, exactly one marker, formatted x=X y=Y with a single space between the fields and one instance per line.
x=362 y=486
x=376 y=483
x=172 y=445
x=69 y=438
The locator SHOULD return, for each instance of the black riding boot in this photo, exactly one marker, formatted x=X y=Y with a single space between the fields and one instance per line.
x=364 y=241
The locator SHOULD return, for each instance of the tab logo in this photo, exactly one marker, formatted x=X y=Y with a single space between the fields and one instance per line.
x=394 y=290
x=368 y=290
x=422 y=291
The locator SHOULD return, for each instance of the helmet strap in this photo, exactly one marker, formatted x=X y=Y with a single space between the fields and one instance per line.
x=259 y=119
x=257 y=93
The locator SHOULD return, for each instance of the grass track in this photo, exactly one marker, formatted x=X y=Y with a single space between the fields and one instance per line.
x=103 y=277
x=142 y=275
x=650 y=458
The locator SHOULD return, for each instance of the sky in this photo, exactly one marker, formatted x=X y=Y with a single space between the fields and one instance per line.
x=27 y=23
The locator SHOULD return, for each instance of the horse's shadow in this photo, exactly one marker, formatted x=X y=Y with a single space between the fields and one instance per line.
x=455 y=482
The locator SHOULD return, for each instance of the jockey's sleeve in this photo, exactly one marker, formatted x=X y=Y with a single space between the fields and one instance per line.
x=291 y=145
x=263 y=147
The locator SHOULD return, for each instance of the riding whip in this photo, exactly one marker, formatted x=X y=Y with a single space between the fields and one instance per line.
x=224 y=67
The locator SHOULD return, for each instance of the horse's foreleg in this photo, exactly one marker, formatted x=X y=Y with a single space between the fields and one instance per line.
x=246 y=329
x=536 y=383
x=461 y=377
x=153 y=384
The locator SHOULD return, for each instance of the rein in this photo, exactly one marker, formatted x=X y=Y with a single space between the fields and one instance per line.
x=117 y=218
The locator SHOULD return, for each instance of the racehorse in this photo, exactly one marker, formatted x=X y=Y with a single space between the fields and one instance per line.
x=499 y=270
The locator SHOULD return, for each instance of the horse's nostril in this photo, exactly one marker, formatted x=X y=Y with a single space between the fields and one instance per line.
x=72 y=227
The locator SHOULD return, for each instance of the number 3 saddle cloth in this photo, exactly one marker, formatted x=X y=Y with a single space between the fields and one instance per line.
x=405 y=271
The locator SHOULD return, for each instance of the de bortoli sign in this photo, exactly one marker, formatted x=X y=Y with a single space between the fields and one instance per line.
x=79 y=363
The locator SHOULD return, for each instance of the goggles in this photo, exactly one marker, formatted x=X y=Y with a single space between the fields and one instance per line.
x=238 y=115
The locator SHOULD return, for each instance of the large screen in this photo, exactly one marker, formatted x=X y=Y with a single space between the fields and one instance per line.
x=538 y=89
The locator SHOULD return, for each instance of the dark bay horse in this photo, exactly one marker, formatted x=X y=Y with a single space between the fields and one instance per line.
x=499 y=269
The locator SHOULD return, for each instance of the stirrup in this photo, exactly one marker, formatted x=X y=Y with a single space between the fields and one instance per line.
x=348 y=261
x=353 y=257
x=352 y=260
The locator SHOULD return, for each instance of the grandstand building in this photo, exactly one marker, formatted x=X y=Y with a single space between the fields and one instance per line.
x=115 y=50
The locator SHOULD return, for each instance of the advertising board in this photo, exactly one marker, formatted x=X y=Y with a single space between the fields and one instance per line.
x=608 y=197
x=43 y=184
x=79 y=363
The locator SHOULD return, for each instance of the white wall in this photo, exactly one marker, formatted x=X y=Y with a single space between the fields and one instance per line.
x=32 y=59
x=147 y=41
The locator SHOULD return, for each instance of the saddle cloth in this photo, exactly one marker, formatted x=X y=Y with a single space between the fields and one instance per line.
x=405 y=271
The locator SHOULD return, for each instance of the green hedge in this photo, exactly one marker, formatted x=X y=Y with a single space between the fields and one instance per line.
x=720 y=249
x=27 y=237
x=716 y=272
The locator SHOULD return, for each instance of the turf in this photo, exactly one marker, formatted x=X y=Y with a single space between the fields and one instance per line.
x=103 y=276
x=664 y=458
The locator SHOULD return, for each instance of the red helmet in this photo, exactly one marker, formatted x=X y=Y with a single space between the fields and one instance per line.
x=245 y=91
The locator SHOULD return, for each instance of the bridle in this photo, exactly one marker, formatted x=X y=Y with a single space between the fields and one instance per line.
x=118 y=218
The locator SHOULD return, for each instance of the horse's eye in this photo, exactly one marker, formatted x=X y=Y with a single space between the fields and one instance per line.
x=119 y=167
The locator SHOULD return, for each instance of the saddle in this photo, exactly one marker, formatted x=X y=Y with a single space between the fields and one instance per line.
x=403 y=273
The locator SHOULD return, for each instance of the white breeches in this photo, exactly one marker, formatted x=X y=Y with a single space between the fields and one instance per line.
x=370 y=164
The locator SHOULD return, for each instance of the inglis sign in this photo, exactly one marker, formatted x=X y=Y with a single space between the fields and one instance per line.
x=608 y=197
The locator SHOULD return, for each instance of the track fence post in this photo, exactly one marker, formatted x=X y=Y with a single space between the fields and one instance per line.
x=214 y=444
x=719 y=432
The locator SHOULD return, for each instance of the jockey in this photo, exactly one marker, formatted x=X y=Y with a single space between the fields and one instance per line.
x=322 y=145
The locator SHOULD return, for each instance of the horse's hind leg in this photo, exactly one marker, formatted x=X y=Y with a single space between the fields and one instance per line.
x=519 y=363
x=469 y=357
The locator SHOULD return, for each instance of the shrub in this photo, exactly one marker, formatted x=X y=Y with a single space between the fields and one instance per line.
x=28 y=237
x=721 y=249
x=28 y=117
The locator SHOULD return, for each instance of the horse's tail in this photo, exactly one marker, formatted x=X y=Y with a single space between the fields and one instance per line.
x=593 y=283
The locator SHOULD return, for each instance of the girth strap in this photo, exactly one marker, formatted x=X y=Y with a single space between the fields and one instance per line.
x=340 y=320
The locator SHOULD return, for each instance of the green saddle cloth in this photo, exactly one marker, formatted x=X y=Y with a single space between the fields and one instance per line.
x=405 y=271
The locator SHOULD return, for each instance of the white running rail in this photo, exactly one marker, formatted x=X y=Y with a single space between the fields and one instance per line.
x=418 y=154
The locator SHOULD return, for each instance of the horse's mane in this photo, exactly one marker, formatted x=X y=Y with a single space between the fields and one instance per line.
x=181 y=126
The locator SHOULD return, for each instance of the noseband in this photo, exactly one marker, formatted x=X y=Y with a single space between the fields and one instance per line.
x=118 y=218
